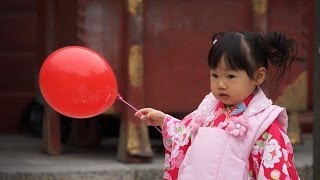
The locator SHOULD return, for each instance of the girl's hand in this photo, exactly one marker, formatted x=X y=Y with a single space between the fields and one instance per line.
x=151 y=116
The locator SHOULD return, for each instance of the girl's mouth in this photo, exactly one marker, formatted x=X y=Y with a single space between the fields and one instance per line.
x=223 y=95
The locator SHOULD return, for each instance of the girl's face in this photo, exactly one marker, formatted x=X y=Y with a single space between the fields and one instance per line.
x=230 y=86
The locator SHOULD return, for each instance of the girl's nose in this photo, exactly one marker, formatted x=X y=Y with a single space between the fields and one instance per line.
x=221 y=85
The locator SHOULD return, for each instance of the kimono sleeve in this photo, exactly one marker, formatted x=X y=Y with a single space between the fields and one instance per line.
x=176 y=140
x=172 y=128
x=272 y=155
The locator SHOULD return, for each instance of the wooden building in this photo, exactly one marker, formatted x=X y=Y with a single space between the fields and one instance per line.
x=158 y=50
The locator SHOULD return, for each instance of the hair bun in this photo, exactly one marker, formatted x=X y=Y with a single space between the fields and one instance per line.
x=280 y=49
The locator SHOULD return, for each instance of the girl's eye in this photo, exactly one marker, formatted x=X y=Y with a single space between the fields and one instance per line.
x=230 y=76
x=214 y=75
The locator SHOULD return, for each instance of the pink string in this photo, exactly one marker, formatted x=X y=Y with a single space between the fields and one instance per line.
x=121 y=99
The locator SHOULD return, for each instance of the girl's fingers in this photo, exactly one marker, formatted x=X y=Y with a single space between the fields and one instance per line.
x=145 y=110
x=147 y=120
x=144 y=118
x=142 y=112
x=138 y=114
x=148 y=115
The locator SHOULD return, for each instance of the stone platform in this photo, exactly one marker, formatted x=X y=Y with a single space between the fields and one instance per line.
x=21 y=158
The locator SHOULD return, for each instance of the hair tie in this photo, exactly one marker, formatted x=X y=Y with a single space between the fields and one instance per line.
x=214 y=41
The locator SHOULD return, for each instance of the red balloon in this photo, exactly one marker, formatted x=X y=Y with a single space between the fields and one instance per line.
x=77 y=82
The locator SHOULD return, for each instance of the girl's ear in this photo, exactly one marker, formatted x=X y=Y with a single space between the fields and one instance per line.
x=260 y=75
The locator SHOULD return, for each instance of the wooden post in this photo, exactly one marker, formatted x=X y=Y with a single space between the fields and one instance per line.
x=316 y=100
x=134 y=145
x=51 y=131
x=260 y=18
x=51 y=119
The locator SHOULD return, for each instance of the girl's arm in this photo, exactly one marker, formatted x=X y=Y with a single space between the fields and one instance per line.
x=272 y=155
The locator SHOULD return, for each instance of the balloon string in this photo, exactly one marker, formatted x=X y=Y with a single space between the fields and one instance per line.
x=121 y=99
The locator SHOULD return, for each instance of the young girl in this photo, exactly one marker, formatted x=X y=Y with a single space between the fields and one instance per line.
x=236 y=132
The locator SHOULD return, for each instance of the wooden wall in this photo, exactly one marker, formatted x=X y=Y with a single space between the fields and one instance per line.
x=176 y=40
x=18 y=62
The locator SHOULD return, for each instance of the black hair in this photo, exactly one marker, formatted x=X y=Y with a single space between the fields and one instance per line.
x=249 y=51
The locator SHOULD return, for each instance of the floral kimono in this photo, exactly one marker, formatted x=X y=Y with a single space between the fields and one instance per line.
x=271 y=156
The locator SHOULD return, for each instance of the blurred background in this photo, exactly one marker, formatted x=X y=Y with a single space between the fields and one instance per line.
x=158 y=50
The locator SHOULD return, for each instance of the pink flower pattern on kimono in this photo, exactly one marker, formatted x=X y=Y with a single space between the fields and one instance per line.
x=195 y=124
x=222 y=124
x=257 y=150
x=272 y=154
x=237 y=126
x=287 y=142
x=177 y=160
